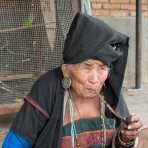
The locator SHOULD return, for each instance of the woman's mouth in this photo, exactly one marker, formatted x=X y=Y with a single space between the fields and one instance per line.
x=91 y=90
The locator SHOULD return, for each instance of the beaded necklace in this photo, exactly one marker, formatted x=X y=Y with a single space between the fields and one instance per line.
x=73 y=131
x=103 y=121
x=73 y=128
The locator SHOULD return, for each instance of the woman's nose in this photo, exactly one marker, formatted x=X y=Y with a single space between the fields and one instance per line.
x=94 y=77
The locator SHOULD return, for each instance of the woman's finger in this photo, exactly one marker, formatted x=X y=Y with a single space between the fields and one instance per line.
x=128 y=133
x=135 y=125
x=135 y=118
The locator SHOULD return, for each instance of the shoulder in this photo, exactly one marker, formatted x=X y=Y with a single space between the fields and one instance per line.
x=45 y=87
x=47 y=80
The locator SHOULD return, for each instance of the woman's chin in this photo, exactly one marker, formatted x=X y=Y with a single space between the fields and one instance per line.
x=90 y=95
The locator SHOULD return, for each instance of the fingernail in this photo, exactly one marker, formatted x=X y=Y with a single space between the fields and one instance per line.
x=129 y=127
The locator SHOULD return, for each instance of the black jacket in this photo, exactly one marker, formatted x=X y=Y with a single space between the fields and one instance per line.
x=31 y=124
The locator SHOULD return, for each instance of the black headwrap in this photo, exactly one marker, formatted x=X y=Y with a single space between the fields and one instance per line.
x=90 y=38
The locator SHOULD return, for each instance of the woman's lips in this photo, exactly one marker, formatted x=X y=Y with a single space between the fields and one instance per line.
x=94 y=91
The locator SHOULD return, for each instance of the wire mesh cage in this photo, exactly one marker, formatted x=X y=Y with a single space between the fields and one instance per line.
x=32 y=34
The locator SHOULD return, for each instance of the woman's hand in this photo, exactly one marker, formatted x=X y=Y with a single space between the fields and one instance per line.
x=130 y=132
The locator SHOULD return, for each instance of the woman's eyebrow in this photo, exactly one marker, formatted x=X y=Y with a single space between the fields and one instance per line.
x=99 y=64
x=87 y=62
x=103 y=65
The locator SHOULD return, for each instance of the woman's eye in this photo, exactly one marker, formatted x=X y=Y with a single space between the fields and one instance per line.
x=104 y=68
x=88 y=65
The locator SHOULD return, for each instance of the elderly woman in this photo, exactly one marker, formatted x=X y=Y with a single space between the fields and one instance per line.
x=79 y=104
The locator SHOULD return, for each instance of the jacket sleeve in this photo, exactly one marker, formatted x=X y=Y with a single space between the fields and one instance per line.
x=13 y=140
x=29 y=121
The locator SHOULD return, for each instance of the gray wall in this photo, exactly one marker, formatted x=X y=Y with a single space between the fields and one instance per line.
x=127 y=25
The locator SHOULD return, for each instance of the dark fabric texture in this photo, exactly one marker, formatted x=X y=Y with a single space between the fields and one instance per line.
x=32 y=125
x=88 y=38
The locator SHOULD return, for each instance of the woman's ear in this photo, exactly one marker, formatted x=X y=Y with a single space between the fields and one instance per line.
x=66 y=81
x=65 y=70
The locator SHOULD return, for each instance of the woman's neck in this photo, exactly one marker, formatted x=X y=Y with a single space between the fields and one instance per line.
x=86 y=106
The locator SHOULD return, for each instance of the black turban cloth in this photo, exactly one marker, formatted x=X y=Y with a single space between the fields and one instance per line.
x=91 y=38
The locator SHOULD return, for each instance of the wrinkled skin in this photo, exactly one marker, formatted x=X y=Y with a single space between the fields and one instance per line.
x=131 y=131
x=88 y=78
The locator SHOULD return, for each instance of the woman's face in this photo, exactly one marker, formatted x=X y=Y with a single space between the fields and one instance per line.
x=87 y=77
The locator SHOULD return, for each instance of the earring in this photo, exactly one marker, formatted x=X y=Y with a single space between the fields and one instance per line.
x=66 y=82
